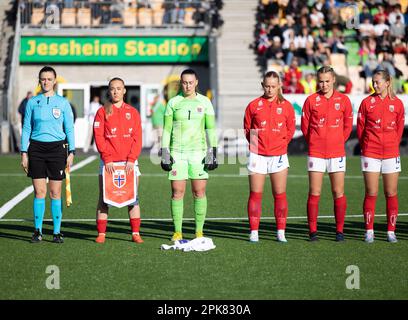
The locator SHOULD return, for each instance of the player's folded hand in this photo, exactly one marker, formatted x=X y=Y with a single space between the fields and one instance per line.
x=210 y=160
x=166 y=159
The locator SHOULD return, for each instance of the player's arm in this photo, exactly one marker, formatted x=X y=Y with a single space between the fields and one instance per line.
x=347 y=119
x=248 y=122
x=401 y=121
x=167 y=126
x=136 y=146
x=210 y=126
x=69 y=126
x=27 y=126
x=290 y=123
x=304 y=124
x=361 y=122
x=99 y=134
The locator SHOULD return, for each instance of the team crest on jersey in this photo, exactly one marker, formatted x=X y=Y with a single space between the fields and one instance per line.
x=56 y=112
x=337 y=106
x=119 y=178
x=391 y=108
x=199 y=109
x=317 y=99
x=128 y=116
x=279 y=110
x=372 y=100
x=263 y=123
x=260 y=103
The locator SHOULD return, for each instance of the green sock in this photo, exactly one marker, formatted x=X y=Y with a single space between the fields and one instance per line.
x=200 y=210
x=177 y=214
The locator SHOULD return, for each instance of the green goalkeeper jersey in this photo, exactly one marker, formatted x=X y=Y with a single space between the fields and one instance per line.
x=186 y=123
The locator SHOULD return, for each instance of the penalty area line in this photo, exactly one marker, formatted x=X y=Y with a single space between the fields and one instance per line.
x=192 y=219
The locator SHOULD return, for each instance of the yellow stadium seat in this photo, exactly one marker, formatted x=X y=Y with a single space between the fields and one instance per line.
x=37 y=16
x=129 y=17
x=144 y=16
x=158 y=17
x=68 y=17
x=84 y=17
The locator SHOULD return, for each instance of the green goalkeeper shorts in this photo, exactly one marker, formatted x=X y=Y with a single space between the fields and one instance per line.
x=188 y=165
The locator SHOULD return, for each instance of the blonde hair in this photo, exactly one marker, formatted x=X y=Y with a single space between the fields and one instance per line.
x=275 y=75
x=108 y=104
x=387 y=77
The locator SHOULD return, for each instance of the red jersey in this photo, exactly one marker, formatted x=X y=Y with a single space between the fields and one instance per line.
x=118 y=138
x=380 y=125
x=327 y=124
x=269 y=126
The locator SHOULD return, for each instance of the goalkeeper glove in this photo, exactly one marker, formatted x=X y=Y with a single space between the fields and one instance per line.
x=166 y=159
x=210 y=160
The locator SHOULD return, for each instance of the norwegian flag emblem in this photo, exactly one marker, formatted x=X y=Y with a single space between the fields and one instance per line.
x=119 y=178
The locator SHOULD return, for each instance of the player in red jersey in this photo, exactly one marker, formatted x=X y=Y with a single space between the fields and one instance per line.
x=118 y=136
x=269 y=125
x=327 y=121
x=380 y=126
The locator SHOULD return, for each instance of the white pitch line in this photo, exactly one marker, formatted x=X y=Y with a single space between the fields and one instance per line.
x=27 y=191
x=192 y=219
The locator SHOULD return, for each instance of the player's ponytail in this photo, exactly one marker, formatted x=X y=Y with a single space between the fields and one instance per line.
x=387 y=77
x=275 y=75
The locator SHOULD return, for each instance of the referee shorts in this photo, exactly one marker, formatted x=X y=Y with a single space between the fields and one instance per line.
x=47 y=160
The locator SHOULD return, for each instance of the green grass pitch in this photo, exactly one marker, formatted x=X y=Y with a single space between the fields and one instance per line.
x=236 y=269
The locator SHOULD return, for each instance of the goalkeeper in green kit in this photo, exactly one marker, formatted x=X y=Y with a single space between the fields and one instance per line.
x=188 y=120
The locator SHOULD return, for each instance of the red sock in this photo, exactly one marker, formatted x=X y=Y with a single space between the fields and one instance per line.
x=312 y=212
x=340 y=206
x=135 y=224
x=101 y=225
x=369 y=211
x=280 y=210
x=254 y=210
x=392 y=212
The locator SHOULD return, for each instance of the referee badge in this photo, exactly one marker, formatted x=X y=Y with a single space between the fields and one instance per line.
x=56 y=113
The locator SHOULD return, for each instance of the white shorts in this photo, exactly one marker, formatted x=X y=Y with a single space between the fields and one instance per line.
x=265 y=165
x=391 y=165
x=136 y=168
x=330 y=165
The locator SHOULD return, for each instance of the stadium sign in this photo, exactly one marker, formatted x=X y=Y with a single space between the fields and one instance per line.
x=113 y=49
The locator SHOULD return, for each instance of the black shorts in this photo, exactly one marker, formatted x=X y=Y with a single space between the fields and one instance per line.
x=47 y=160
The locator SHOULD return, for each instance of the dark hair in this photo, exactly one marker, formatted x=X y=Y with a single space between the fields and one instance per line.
x=115 y=79
x=189 y=71
x=47 y=69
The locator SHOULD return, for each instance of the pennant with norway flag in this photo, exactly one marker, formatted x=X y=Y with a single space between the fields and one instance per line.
x=119 y=188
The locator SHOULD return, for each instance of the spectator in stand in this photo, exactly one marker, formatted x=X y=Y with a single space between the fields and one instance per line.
x=274 y=29
x=316 y=18
x=384 y=43
x=275 y=52
x=322 y=36
x=366 y=29
x=366 y=15
x=292 y=70
x=370 y=66
x=309 y=83
x=263 y=42
x=294 y=86
x=322 y=54
x=304 y=43
x=395 y=13
x=290 y=53
x=397 y=29
x=381 y=15
x=381 y=26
